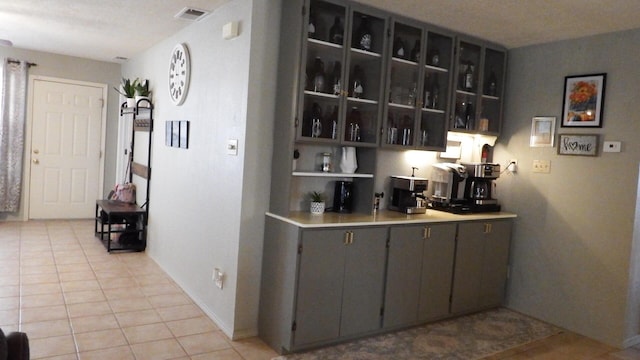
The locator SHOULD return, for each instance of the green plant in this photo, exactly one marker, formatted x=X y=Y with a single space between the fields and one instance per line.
x=128 y=88
x=317 y=196
x=142 y=88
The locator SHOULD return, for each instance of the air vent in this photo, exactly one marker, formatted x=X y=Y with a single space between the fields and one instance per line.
x=191 y=14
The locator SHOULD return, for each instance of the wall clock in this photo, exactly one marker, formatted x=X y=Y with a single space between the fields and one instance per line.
x=179 y=69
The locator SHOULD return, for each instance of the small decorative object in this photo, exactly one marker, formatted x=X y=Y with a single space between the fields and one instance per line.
x=142 y=90
x=543 y=130
x=578 y=144
x=128 y=90
x=317 y=203
x=583 y=103
x=348 y=161
x=179 y=71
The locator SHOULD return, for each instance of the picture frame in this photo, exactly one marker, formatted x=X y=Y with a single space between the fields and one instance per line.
x=583 y=102
x=543 y=129
x=184 y=134
x=578 y=144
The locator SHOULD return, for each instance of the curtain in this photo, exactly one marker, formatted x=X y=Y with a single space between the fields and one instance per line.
x=13 y=100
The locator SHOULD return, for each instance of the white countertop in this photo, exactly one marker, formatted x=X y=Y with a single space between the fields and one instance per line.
x=305 y=219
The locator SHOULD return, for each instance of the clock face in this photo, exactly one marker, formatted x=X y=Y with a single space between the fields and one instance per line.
x=179 y=68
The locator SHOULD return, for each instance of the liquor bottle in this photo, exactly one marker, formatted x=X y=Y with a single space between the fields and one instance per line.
x=413 y=93
x=336 y=33
x=415 y=52
x=316 y=120
x=398 y=48
x=469 y=116
x=435 y=93
x=492 y=85
x=364 y=36
x=468 y=77
x=312 y=26
x=336 y=78
x=357 y=90
x=318 y=75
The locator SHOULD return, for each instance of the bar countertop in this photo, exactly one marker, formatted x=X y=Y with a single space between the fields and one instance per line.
x=382 y=217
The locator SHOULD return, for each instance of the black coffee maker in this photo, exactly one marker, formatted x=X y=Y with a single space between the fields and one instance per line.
x=480 y=184
x=343 y=197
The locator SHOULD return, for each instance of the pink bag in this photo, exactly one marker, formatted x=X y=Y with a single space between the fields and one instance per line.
x=124 y=192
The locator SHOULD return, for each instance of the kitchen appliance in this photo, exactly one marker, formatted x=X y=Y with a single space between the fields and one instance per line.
x=343 y=197
x=407 y=194
x=480 y=186
x=464 y=188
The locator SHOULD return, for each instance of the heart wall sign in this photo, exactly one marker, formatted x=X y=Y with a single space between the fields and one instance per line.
x=578 y=144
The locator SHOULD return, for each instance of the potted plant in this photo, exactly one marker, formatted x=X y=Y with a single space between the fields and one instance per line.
x=128 y=90
x=317 y=203
x=142 y=90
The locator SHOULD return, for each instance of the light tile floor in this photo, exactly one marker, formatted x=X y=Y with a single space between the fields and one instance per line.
x=76 y=301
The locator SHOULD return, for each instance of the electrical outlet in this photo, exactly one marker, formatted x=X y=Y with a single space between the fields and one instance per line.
x=217 y=277
x=513 y=165
x=542 y=166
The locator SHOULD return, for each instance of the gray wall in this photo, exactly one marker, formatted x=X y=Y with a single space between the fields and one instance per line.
x=73 y=68
x=206 y=207
x=574 y=234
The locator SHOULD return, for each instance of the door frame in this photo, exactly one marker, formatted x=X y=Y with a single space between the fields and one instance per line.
x=26 y=171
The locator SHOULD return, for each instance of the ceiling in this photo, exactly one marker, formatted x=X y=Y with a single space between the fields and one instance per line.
x=106 y=29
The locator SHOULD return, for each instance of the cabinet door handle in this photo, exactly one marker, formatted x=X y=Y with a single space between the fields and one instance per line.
x=346 y=237
x=350 y=237
x=487 y=228
x=427 y=232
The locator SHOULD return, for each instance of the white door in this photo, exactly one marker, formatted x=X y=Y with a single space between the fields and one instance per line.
x=65 y=150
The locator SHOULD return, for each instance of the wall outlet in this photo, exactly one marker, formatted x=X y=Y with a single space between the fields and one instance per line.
x=612 y=146
x=542 y=166
x=218 y=277
x=513 y=165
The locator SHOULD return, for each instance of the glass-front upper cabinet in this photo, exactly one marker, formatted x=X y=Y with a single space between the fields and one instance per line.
x=418 y=80
x=479 y=88
x=342 y=59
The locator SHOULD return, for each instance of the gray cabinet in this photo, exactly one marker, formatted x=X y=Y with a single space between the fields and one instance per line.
x=420 y=264
x=481 y=265
x=340 y=283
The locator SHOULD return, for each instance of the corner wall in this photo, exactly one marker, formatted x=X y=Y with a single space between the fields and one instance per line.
x=206 y=207
x=574 y=234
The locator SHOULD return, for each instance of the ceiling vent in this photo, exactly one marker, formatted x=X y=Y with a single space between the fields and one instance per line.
x=191 y=14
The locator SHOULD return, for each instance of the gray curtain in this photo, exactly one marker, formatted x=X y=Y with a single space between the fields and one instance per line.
x=12 y=111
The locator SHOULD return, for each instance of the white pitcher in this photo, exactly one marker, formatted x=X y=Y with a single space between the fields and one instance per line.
x=348 y=161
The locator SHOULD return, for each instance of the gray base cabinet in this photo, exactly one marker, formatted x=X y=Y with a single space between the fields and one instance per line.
x=420 y=264
x=480 y=272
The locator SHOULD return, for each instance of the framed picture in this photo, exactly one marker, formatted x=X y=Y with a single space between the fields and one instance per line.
x=578 y=144
x=583 y=100
x=543 y=130
x=168 y=132
x=184 y=134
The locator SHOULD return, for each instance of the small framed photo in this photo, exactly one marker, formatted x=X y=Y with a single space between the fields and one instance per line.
x=184 y=134
x=175 y=134
x=168 y=131
x=583 y=102
x=543 y=130
x=578 y=144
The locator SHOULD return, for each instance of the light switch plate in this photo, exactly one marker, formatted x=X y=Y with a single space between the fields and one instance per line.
x=612 y=146
x=542 y=166
x=232 y=147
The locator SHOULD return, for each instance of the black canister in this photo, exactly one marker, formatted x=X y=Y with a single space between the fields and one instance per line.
x=343 y=197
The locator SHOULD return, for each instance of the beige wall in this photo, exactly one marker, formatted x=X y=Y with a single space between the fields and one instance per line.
x=574 y=235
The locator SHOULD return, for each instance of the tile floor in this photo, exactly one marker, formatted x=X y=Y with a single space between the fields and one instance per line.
x=76 y=301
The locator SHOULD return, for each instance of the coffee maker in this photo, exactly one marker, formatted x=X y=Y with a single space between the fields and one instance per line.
x=407 y=194
x=480 y=186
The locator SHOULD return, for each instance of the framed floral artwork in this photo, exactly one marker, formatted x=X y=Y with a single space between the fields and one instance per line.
x=583 y=100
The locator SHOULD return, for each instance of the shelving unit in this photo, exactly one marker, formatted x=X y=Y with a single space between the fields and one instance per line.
x=119 y=225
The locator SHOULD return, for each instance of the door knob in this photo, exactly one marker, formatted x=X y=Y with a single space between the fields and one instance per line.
x=36 y=161
x=36 y=151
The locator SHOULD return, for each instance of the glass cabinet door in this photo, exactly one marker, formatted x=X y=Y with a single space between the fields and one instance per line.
x=323 y=68
x=363 y=85
x=432 y=131
x=468 y=67
x=403 y=86
x=492 y=91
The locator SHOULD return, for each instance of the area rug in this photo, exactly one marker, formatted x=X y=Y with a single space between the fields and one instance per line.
x=468 y=337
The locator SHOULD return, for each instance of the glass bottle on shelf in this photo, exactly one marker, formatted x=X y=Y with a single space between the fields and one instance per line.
x=415 y=52
x=413 y=93
x=333 y=123
x=311 y=28
x=336 y=78
x=492 y=84
x=336 y=33
x=468 y=78
x=316 y=120
x=364 y=39
x=354 y=120
x=435 y=93
x=398 y=48
x=434 y=58
x=357 y=89
x=318 y=76
x=469 y=115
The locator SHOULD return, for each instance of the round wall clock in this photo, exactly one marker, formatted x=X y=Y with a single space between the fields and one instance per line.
x=179 y=69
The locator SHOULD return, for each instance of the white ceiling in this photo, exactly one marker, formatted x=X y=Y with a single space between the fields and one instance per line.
x=105 y=29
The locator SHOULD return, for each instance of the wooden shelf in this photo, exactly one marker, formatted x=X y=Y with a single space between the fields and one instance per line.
x=330 y=174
